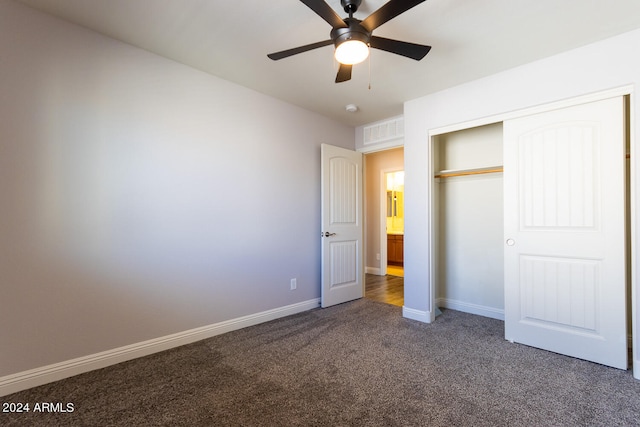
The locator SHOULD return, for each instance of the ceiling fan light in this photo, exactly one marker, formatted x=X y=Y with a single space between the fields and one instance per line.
x=351 y=52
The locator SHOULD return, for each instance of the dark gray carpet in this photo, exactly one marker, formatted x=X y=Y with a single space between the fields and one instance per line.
x=357 y=364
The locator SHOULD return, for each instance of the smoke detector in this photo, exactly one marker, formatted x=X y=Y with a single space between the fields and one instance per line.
x=352 y=108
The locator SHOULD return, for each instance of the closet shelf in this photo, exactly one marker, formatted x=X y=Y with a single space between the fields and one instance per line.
x=465 y=172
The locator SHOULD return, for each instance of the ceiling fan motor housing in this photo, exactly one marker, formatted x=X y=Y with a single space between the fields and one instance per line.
x=354 y=31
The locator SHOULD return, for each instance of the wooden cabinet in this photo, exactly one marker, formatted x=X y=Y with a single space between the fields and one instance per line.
x=395 y=249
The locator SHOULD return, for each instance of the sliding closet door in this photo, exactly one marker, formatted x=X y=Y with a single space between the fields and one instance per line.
x=564 y=232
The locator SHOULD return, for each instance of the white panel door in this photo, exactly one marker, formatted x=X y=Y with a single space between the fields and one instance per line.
x=565 y=232
x=342 y=229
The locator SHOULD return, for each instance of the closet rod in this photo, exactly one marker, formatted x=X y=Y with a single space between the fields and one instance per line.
x=451 y=174
x=497 y=169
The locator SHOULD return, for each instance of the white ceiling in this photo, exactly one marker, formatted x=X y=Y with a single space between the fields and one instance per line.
x=470 y=38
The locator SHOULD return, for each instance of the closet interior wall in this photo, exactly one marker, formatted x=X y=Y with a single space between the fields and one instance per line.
x=468 y=220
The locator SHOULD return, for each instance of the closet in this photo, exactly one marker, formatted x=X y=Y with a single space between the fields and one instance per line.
x=529 y=227
x=468 y=226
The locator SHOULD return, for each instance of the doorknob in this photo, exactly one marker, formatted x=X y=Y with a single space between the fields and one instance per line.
x=510 y=242
x=327 y=234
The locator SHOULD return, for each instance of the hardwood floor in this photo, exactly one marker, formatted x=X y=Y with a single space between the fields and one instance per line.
x=395 y=270
x=387 y=289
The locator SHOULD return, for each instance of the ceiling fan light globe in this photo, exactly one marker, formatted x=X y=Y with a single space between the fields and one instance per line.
x=351 y=52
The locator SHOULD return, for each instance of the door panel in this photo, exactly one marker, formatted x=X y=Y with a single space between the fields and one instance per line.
x=560 y=293
x=342 y=228
x=565 y=232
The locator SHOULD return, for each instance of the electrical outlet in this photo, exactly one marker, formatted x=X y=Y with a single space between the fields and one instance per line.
x=294 y=284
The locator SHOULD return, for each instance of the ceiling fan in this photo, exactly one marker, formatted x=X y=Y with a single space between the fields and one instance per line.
x=353 y=38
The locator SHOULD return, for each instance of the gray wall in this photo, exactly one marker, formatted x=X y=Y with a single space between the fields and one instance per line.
x=141 y=197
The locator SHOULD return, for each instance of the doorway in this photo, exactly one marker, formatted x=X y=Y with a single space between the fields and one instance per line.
x=383 y=283
x=393 y=222
x=468 y=220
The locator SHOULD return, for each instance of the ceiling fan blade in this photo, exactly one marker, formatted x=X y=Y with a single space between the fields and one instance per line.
x=388 y=11
x=344 y=73
x=326 y=12
x=296 y=50
x=410 y=50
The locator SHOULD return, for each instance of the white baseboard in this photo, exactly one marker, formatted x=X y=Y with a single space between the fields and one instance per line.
x=419 y=315
x=372 y=270
x=46 y=374
x=466 y=307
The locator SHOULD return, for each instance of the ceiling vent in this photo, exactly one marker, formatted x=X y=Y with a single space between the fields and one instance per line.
x=384 y=131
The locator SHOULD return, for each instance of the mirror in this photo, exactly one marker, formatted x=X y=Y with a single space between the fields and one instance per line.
x=390 y=205
x=395 y=201
x=395 y=204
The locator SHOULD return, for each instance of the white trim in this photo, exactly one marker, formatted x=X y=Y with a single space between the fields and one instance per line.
x=394 y=143
x=564 y=103
x=635 y=349
x=373 y=270
x=433 y=220
x=57 y=371
x=419 y=315
x=382 y=218
x=480 y=310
